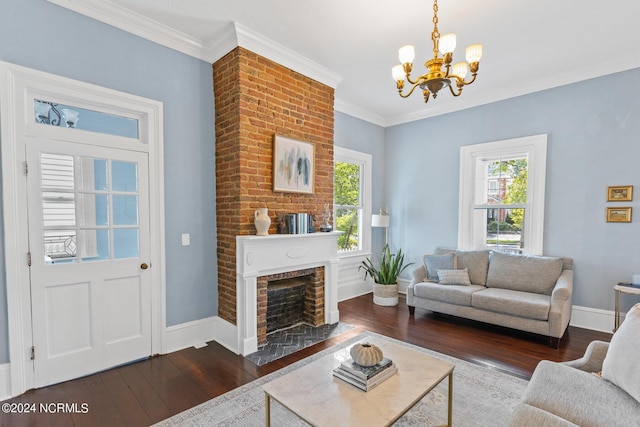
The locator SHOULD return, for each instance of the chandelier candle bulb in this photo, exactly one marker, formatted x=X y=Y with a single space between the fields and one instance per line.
x=474 y=53
x=406 y=54
x=460 y=70
x=447 y=43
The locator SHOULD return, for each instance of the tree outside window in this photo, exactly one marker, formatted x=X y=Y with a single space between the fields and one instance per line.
x=348 y=204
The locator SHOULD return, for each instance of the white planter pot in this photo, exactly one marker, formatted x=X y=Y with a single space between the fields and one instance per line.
x=386 y=295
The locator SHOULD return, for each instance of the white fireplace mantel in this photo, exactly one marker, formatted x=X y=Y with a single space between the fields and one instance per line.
x=258 y=256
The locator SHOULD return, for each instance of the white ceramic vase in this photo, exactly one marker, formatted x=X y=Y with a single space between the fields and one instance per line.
x=262 y=222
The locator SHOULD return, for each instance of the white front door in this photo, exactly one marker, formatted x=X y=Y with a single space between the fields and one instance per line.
x=88 y=215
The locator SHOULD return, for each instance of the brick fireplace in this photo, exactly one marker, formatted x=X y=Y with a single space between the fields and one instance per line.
x=288 y=299
x=261 y=258
x=256 y=98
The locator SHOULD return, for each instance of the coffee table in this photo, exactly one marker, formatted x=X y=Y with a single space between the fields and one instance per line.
x=317 y=397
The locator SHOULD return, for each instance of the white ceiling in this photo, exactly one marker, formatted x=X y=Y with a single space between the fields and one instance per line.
x=528 y=45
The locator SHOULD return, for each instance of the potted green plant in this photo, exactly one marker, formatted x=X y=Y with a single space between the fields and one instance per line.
x=385 y=276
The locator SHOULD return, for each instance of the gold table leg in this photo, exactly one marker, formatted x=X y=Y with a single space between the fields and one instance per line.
x=268 y=409
x=616 y=322
x=450 y=409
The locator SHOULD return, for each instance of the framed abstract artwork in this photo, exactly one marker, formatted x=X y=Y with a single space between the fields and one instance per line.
x=293 y=165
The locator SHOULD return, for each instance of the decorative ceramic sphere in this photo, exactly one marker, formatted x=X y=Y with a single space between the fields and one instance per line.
x=366 y=354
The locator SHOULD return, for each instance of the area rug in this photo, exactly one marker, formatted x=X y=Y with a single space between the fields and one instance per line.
x=481 y=397
x=287 y=341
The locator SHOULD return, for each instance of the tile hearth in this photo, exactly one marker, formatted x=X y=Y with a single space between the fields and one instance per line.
x=284 y=342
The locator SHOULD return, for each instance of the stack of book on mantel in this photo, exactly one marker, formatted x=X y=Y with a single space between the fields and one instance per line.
x=365 y=377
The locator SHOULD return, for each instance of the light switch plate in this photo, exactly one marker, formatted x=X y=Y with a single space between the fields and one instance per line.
x=186 y=239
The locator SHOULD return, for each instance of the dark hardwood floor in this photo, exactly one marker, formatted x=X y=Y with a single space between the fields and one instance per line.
x=149 y=391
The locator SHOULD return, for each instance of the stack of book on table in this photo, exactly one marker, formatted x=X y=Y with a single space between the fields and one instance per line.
x=365 y=377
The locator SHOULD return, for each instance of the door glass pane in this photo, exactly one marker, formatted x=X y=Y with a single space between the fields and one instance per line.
x=59 y=246
x=50 y=113
x=91 y=174
x=58 y=209
x=93 y=209
x=93 y=245
x=125 y=176
x=126 y=243
x=125 y=210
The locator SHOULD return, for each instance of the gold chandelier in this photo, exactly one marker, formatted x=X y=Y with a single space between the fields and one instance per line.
x=436 y=78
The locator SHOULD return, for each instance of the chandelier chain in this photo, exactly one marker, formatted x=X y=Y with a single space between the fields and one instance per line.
x=435 y=35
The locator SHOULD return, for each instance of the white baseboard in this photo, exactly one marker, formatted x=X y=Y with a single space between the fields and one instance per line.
x=354 y=289
x=226 y=334
x=5 y=381
x=592 y=318
x=188 y=334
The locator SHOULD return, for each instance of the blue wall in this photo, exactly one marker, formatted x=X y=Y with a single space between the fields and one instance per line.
x=46 y=37
x=592 y=128
x=359 y=135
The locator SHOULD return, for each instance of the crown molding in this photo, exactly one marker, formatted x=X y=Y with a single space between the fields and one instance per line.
x=229 y=38
x=284 y=56
x=359 y=112
x=135 y=23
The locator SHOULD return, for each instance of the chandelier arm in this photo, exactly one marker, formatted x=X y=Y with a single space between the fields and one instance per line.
x=410 y=92
x=417 y=81
x=460 y=86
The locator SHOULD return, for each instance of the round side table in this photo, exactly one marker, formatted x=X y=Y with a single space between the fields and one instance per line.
x=622 y=289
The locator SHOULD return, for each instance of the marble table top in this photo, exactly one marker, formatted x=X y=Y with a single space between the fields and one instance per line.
x=316 y=396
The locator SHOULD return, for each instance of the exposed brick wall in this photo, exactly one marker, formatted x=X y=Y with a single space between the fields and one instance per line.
x=256 y=98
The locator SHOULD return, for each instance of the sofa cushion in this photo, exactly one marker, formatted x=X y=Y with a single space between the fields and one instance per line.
x=452 y=294
x=514 y=303
x=454 y=277
x=477 y=262
x=524 y=273
x=580 y=397
x=527 y=416
x=433 y=263
x=620 y=365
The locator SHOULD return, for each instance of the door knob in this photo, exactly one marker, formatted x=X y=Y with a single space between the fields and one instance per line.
x=144 y=266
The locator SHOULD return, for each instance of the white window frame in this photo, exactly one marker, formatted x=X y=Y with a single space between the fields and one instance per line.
x=535 y=148
x=345 y=155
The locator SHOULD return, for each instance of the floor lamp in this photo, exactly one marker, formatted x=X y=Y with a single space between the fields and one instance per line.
x=381 y=220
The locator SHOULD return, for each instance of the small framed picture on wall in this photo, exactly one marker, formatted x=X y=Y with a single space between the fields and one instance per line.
x=619 y=214
x=621 y=193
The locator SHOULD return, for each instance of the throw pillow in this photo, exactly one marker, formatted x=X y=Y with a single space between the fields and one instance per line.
x=477 y=261
x=620 y=365
x=454 y=277
x=433 y=263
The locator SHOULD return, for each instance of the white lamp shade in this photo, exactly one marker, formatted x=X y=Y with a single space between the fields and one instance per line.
x=406 y=54
x=397 y=72
x=474 y=53
x=380 y=221
x=460 y=69
x=447 y=43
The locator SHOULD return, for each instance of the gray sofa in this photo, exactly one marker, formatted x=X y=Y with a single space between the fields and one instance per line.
x=600 y=389
x=528 y=293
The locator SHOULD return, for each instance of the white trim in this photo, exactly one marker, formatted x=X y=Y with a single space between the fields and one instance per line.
x=5 y=381
x=184 y=335
x=282 y=55
x=229 y=38
x=593 y=318
x=140 y=25
x=358 y=112
x=536 y=148
x=18 y=86
x=226 y=334
x=365 y=161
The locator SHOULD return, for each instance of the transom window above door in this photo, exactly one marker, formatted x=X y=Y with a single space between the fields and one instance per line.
x=58 y=114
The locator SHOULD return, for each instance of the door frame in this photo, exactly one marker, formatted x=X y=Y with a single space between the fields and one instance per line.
x=18 y=87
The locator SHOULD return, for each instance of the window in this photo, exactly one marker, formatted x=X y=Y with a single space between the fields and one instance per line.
x=352 y=200
x=502 y=195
